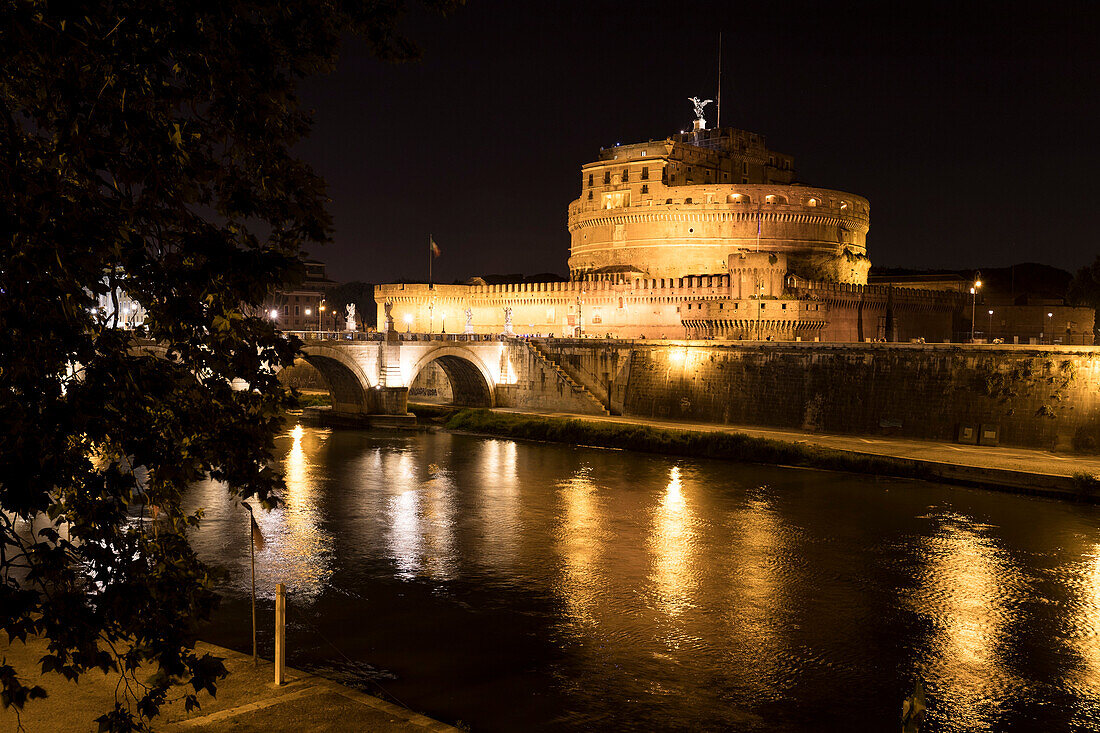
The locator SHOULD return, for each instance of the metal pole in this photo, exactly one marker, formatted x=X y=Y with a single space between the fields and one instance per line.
x=252 y=552
x=973 y=302
x=280 y=634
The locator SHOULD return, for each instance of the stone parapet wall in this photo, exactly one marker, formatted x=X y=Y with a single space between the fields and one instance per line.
x=1038 y=397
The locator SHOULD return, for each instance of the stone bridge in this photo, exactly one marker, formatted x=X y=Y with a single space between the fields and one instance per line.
x=373 y=376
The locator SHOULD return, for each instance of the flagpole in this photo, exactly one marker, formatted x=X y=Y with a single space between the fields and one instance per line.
x=718 y=124
x=252 y=549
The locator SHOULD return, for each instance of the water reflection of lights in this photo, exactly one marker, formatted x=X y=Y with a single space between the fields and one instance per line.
x=1083 y=623
x=298 y=550
x=421 y=518
x=969 y=589
x=498 y=504
x=671 y=544
x=580 y=540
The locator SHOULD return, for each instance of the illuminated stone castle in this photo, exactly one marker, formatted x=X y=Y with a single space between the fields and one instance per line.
x=704 y=234
x=682 y=206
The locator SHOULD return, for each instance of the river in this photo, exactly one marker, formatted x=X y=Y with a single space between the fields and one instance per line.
x=514 y=586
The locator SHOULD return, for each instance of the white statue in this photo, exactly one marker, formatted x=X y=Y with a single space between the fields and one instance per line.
x=388 y=322
x=699 y=106
x=469 y=321
x=350 y=316
x=508 y=320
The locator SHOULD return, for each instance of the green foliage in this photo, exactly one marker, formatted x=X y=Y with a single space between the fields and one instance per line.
x=314 y=399
x=1085 y=483
x=145 y=150
x=1084 y=288
x=717 y=444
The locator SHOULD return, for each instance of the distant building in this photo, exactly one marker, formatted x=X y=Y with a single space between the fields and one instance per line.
x=299 y=308
x=705 y=234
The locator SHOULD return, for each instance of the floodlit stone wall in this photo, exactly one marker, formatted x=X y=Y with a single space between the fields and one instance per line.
x=1037 y=397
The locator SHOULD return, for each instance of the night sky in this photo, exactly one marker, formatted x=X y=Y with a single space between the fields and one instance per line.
x=972 y=131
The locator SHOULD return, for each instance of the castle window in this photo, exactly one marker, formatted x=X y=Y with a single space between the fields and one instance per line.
x=645 y=188
x=643 y=153
x=687 y=200
x=620 y=302
x=626 y=175
x=645 y=173
x=589 y=195
x=668 y=201
x=843 y=205
x=589 y=179
x=606 y=177
x=811 y=202
x=744 y=167
x=773 y=199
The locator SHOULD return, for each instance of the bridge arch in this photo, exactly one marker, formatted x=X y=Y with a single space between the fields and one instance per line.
x=472 y=383
x=347 y=384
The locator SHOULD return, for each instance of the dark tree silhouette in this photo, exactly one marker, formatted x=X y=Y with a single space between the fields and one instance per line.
x=145 y=155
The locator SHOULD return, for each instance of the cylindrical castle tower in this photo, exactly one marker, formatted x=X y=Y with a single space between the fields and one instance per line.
x=675 y=208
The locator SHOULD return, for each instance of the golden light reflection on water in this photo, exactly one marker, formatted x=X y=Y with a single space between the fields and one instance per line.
x=297 y=548
x=580 y=542
x=758 y=608
x=671 y=544
x=498 y=504
x=968 y=590
x=421 y=518
x=1083 y=622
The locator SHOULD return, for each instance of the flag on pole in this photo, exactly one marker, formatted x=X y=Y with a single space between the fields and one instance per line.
x=257 y=536
x=434 y=247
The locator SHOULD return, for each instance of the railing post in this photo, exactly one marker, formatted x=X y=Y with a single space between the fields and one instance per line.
x=280 y=634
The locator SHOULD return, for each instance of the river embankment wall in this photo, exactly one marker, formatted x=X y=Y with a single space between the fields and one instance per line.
x=1033 y=396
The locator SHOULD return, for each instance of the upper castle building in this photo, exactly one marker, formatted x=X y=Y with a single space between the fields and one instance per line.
x=681 y=206
x=705 y=234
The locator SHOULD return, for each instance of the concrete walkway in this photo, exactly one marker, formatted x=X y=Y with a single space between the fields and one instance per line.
x=248 y=701
x=994 y=467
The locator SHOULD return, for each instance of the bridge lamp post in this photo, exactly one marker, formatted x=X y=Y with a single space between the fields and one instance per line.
x=273 y=314
x=989 y=330
x=320 y=312
x=1050 y=329
x=974 y=302
x=444 y=315
x=408 y=322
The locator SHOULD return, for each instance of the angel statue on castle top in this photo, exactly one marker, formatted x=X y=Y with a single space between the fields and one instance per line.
x=699 y=106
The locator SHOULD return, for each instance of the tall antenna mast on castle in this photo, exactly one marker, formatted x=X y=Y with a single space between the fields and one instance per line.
x=718 y=124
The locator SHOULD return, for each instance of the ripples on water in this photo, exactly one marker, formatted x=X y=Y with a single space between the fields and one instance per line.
x=529 y=586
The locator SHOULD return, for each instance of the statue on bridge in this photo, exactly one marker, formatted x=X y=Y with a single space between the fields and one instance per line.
x=351 y=316
x=387 y=323
x=469 y=321
x=508 y=320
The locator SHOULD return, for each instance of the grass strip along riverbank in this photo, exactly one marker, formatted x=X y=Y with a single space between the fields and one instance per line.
x=729 y=444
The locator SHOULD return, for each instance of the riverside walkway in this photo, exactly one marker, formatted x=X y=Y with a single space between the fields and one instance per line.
x=996 y=467
x=248 y=701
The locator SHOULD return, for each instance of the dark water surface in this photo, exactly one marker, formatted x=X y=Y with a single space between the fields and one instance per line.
x=521 y=586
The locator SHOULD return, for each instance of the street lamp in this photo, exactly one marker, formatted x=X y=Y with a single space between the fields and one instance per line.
x=444 y=314
x=273 y=314
x=320 y=312
x=974 y=301
x=408 y=322
x=1050 y=329
x=989 y=332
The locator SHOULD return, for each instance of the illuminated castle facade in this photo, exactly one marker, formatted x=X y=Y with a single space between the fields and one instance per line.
x=682 y=206
x=704 y=234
